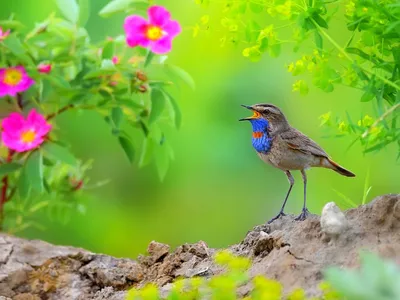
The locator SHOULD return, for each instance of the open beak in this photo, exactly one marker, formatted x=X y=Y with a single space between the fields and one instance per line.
x=255 y=115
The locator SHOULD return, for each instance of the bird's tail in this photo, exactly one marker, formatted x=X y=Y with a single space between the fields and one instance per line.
x=337 y=168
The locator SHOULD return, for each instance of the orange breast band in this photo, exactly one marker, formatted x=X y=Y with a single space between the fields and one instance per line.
x=257 y=134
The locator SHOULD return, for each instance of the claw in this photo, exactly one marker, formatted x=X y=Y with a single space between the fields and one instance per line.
x=281 y=214
x=304 y=214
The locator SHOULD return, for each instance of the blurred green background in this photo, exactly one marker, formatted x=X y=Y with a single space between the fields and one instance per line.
x=217 y=188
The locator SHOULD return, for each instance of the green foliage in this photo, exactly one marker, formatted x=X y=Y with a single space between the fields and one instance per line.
x=377 y=280
x=369 y=61
x=130 y=88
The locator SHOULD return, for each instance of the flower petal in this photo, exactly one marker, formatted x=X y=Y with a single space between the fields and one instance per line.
x=134 y=24
x=137 y=40
x=162 y=46
x=135 y=29
x=172 y=28
x=158 y=15
x=14 y=121
x=38 y=123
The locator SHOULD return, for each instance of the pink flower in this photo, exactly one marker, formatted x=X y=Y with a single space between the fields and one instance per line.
x=21 y=134
x=156 y=33
x=3 y=34
x=14 y=80
x=44 y=68
x=115 y=60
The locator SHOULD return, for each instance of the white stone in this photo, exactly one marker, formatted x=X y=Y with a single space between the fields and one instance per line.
x=333 y=220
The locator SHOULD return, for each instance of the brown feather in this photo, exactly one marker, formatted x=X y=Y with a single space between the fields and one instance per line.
x=300 y=142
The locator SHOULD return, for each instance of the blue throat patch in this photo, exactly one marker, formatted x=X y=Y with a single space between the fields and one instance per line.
x=261 y=141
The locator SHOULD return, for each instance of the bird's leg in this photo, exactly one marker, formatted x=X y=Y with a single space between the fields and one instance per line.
x=281 y=213
x=305 y=211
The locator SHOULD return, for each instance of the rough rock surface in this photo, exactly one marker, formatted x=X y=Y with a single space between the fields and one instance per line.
x=295 y=253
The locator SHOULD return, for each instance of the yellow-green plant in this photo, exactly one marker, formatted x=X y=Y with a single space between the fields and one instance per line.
x=368 y=60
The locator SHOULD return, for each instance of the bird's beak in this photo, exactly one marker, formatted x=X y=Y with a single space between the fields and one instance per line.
x=255 y=115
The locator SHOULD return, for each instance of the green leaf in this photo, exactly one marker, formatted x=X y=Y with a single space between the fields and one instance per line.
x=175 y=71
x=23 y=185
x=252 y=31
x=58 y=153
x=8 y=168
x=157 y=104
x=108 y=50
x=176 y=109
x=11 y=24
x=275 y=50
x=69 y=9
x=84 y=12
x=14 y=44
x=162 y=160
x=318 y=41
x=367 y=96
x=149 y=58
x=34 y=171
x=117 y=6
x=320 y=21
x=380 y=63
x=147 y=152
x=128 y=147
x=117 y=116
x=256 y=8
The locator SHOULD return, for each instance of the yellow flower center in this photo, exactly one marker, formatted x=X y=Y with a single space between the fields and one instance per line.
x=28 y=136
x=12 y=77
x=154 y=33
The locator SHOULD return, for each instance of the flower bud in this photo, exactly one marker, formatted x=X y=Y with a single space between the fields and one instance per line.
x=141 y=76
x=44 y=68
x=142 y=88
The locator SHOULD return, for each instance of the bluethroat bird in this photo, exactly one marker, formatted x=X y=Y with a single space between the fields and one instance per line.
x=284 y=147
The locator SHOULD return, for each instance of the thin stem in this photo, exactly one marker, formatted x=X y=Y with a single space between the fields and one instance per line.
x=20 y=101
x=380 y=119
x=61 y=110
x=68 y=107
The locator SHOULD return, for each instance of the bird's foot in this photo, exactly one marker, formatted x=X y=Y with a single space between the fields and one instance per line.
x=304 y=214
x=281 y=214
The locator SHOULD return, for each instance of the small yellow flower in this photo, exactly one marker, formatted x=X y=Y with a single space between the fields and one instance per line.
x=290 y=67
x=325 y=118
x=311 y=66
x=205 y=19
x=196 y=29
x=343 y=127
x=366 y=121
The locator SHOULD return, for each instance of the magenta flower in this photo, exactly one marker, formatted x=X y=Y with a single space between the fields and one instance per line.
x=44 y=68
x=21 y=134
x=3 y=34
x=115 y=60
x=14 y=80
x=156 y=33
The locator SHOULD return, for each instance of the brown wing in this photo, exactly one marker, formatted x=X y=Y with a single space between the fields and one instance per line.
x=300 y=142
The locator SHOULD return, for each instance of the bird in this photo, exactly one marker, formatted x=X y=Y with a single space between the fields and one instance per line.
x=286 y=148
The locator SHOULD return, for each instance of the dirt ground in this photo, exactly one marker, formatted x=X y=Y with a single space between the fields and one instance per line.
x=294 y=253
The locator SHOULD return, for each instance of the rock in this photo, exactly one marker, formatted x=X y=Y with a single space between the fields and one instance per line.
x=294 y=253
x=333 y=220
x=109 y=271
x=264 y=244
x=157 y=250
